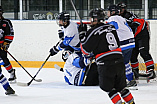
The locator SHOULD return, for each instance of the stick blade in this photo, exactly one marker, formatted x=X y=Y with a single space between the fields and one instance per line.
x=38 y=80
x=58 y=67
x=22 y=84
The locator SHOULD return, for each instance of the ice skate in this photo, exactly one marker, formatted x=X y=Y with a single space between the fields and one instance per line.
x=10 y=91
x=132 y=85
x=12 y=78
x=151 y=77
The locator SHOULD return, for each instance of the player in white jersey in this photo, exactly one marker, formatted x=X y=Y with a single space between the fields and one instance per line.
x=76 y=67
x=69 y=34
x=126 y=37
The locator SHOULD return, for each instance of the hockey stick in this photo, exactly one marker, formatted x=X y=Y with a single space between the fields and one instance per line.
x=76 y=12
x=37 y=80
x=85 y=77
x=58 y=68
x=27 y=84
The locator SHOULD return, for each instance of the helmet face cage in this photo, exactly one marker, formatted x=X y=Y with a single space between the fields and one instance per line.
x=97 y=15
x=122 y=5
x=114 y=8
x=66 y=54
x=63 y=16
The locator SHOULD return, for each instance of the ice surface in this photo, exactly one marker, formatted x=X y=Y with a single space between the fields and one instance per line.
x=53 y=90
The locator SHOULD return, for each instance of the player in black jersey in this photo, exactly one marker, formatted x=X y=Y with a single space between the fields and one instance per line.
x=141 y=34
x=6 y=37
x=102 y=41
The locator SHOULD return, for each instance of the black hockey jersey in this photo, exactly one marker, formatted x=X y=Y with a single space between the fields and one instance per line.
x=136 y=24
x=6 y=31
x=101 y=40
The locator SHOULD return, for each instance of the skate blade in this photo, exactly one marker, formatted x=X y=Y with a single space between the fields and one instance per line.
x=151 y=80
x=133 y=88
x=12 y=95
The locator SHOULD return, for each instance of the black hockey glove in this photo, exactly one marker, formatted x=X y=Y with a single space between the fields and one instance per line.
x=82 y=32
x=5 y=46
x=53 y=51
x=82 y=27
x=61 y=34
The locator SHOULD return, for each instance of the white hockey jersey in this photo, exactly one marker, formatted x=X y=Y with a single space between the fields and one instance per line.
x=124 y=32
x=71 y=36
x=73 y=73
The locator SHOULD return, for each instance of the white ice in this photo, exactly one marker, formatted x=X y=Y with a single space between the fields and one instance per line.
x=53 y=90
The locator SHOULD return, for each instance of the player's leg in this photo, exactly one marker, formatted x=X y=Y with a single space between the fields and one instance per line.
x=120 y=84
x=134 y=61
x=128 y=71
x=106 y=83
x=127 y=96
x=144 y=52
x=107 y=74
x=8 y=65
x=5 y=84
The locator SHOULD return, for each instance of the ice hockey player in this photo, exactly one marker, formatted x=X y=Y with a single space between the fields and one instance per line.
x=126 y=37
x=69 y=34
x=6 y=37
x=5 y=83
x=102 y=41
x=141 y=34
x=75 y=68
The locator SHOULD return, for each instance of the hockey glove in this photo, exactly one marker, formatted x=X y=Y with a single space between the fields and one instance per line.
x=82 y=32
x=5 y=46
x=53 y=51
x=61 y=34
x=90 y=56
x=82 y=27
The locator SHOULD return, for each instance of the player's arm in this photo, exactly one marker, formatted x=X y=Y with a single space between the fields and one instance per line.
x=9 y=35
x=55 y=49
x=9 y=32
x=81 y=62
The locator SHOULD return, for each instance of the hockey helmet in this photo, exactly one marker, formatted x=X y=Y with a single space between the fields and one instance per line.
x=114 y=10
x=66 y=54
x=122 y=5
x=97 y=13
x=64 y=16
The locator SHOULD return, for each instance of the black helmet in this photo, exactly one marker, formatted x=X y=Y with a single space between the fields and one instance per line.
x=64 y=16
x=112 y=8
x=1 y=9
x=97 y=13
x=121 y=5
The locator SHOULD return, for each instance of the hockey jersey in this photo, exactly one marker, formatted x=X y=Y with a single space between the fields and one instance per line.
x=74 y=69
x=6 y=31
x=102 y=41
x=71 y=37
x=124 y=32
x=136 y=24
